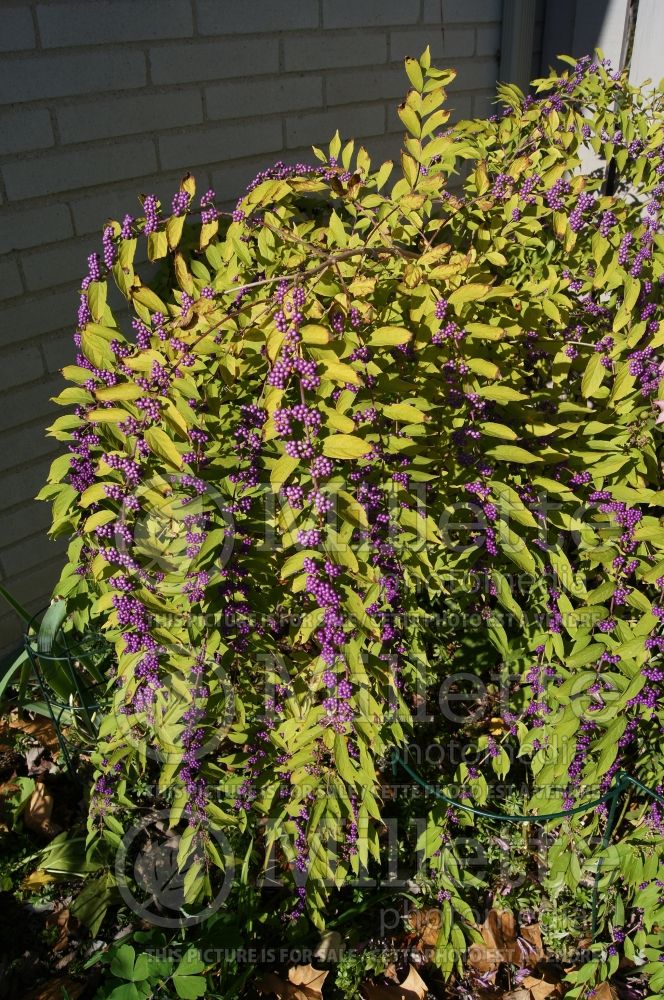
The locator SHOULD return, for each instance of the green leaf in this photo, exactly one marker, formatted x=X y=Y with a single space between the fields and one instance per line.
x=512 y=453
x=295 y=562
x=492 y=429
x=93 y=494
x=122 y=963
x=96 y=348
x=92 y=903
x=500 y=393
x=593 y=376
x=51 y=624
x=190 y=987
x=127 y=991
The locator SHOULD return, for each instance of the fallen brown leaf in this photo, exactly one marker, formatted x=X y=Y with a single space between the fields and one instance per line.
x=499 y=933
x=37 y=813
x=309 y=981
x=39 y=729
x=330 y=947
x=517 y=995
x=271 y=983
x=412 y=988
x=605 y=992
x=539 y=988
x=10 y=761
x=7 y=789
x=55 y=989
x=426 y=924
x=304 y=983
x=532 y=935
x=64 y=922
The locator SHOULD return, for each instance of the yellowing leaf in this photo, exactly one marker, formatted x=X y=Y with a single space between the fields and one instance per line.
x=184 y=278
x=159 y=442
x=389 y=336
x=313 y=333
x=281 y=471
x=146 y=297
x=345 y=446
x=124 y=391
x=468 y=293
x=483 y=367
x=174 y=228
x=339 y=372
x=483 y=331
x=112 y=415
x=97 y=299
x=405 y=412
x=157 y=245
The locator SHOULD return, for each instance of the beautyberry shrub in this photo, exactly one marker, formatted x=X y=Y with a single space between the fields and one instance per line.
x=348 y=404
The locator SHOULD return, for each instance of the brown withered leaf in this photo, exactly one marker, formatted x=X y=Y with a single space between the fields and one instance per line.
x=539 y=988
x=56 y=989
x=412 y=988
x=39 y=729
x=517 y=995
x=65 y=923
x=307 y=981
x=37 y=813
x=499 y=933
x=330 y=947
x=605 y=992
x=534 y=950
x=304 y=983
x=426 y=924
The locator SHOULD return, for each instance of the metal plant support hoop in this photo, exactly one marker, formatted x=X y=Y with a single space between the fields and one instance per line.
x=621 y=782
x=46 y=655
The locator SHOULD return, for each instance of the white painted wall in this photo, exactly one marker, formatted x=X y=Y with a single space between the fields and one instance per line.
x=648 y=53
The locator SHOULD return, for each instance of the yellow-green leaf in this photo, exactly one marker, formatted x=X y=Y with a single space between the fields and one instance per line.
x=113 y=393
x=389 y=336
x=405 y=412
x=512 y=453
x=112 y=415
x=468 y=293
x=345 y=446
x=593 y=376
x=159 y=442
x=339 y=372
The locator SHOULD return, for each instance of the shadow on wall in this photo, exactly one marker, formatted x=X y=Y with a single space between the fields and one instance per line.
x=578 y=27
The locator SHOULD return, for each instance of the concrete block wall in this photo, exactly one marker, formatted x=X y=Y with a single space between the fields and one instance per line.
x=102 y=99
